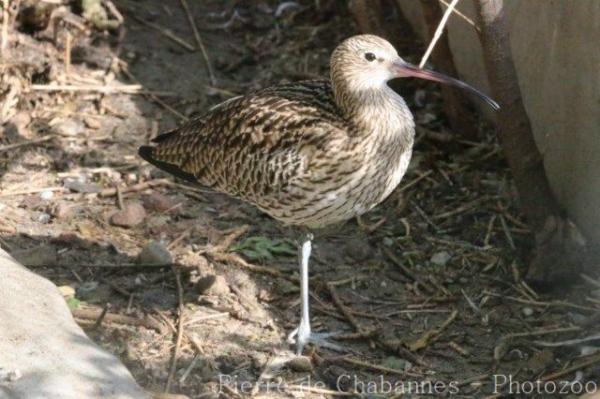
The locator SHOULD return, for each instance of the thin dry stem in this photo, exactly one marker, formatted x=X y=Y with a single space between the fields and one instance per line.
x=211 y=74
x=438 y=33
x=180 y=327
x=461 y=15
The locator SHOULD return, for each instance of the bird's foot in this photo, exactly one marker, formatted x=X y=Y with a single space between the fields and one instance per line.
x=302 y=336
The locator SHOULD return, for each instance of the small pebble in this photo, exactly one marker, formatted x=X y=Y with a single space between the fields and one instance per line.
x=440 y=258
x=212 y=285
x=92 y=123
x=43 y=218
x=155 y=254
x=397 y=363
x=419 y=98
x=68 y=128
x=158 y=202
x=131 y=215
x=388 y=241
x=62 y=211
x=577 y=318
x=47 y=195
x=86 y=288
x=426 y=118
x=300 y=364
x=131 y=178
x=527 y=312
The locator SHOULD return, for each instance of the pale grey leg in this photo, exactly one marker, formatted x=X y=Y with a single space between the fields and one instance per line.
x=302 y=333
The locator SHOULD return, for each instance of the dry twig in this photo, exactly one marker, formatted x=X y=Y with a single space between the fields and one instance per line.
x=461 y=15
x=180 y=327
x=580 y=365
x=376 y=367
x=438 y=33
x=340 y=305
x=211 y=74
x=104 y=89
x=165 y=32
x=94 y=314
x=432 y=335
x=109 y=192
x=25 y=143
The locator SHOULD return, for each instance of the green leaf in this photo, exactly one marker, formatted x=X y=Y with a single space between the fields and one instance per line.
x=73 y=303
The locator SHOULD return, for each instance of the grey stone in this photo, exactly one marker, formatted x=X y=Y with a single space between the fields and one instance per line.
x=300 y=363
x=131 y=215
x=155 y=254
x=527 y=311
x=213 y=285
x=44 y=353
x=68 y=127
x=440 y=258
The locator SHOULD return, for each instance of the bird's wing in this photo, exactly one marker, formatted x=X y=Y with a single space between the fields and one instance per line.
x=253 y=144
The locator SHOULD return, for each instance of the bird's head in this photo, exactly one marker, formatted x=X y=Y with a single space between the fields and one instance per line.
x=364 y=63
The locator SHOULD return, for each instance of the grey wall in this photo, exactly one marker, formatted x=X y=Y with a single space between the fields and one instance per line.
x=556 y=48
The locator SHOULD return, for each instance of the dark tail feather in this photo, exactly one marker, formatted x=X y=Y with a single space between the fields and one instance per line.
x=146 y=152
x=162 y=137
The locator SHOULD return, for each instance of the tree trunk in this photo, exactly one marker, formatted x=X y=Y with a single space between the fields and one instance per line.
x=455 y=103
x=368 y=15
x=560 y=247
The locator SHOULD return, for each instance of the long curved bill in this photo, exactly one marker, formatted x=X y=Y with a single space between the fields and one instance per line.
x=403 y=69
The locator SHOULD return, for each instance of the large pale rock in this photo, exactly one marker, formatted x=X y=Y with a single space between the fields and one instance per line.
x=43 y=352
x=555 y=49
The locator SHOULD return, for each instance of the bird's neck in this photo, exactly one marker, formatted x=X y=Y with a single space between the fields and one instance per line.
x=375 y=111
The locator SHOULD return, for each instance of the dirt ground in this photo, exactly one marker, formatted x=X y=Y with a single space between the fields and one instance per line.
x=426 y=289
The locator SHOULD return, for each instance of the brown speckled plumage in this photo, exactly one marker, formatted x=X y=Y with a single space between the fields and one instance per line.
x=310 y=153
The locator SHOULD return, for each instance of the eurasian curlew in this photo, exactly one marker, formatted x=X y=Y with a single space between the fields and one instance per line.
x=309 y=153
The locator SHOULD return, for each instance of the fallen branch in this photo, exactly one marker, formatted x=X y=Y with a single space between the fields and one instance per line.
x=432 y=335
x=109 y=192
x=93 y=315
x=25 y=143
x=342 y=308
x=376 y=367
x=104 y=89
x=236 y=259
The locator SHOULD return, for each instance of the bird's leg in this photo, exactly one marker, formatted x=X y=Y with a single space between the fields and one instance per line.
x=302 y=333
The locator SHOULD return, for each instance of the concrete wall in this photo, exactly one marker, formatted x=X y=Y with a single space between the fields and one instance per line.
x=556 y=48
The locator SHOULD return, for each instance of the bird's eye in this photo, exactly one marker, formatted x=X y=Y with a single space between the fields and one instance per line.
x=370 y=57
